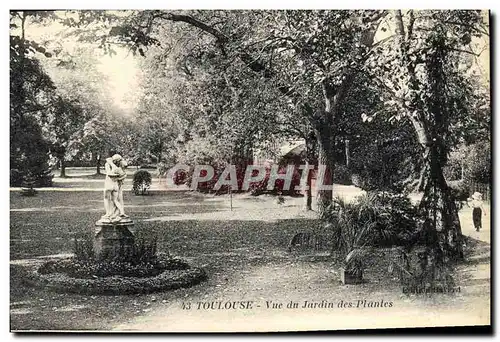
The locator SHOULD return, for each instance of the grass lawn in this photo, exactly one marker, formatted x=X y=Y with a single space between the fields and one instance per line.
x=243 y=252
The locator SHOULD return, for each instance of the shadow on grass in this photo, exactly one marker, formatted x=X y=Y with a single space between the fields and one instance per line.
x=223 y=248
x=44 y=233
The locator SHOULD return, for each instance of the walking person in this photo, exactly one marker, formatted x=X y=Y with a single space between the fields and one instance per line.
x=476 y=203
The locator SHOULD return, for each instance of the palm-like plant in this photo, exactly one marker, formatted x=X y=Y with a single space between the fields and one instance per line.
x=356 y=225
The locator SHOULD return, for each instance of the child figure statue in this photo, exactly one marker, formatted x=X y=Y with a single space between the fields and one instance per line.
x=113 y=190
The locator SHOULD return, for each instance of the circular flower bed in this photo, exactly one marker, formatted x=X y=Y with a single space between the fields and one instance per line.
x=115 y=278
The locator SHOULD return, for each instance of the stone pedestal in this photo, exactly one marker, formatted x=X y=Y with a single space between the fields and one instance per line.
x=351 y=277
x=113 y=240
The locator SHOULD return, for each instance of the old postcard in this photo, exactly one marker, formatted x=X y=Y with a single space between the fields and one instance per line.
x=249 y=170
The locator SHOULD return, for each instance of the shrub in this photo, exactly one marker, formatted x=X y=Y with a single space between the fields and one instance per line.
x=475 y=160
x=478 y=163
x=142 y=251
x=16 y=177
x=383 y=218
x=87 y=270
x=141 y=261
x=342 y=175
x=255 y=188
x=278 y=188
x=120 y=285
x=40 y=178
x=375 y=219
x=399 y=218
x=141 y=182
x=29 y=152
x=418 y=269
x=459 y=190
x=351 y=232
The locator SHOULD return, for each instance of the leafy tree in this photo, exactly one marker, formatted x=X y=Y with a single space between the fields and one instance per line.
x=302 y=61
x=310 y=57
x=102 y=136
x=81 y=97
x=29 y=89
x=429 y=88
x=471 y=163
x=62 y=125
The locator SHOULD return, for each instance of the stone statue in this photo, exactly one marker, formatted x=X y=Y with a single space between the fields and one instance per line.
x=113 y=190
x=112 y=238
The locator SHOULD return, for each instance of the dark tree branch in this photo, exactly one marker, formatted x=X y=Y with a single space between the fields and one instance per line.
x=409 y=28
x=475 y=28
x=194 y=22
x=254 y=64
x=467 y=51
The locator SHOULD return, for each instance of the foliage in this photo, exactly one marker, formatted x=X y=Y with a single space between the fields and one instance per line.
x=342 y=175
x=426 y=82
x=214 y=113
x=468 y=165
x=418 y=270
x=413 y=64
x=278 y=188
x=384 y=156
x=478 y=163
x=255 y=188
x=117 y=285
x=141 y=261
x=28 y=153
x=77 y=268
x=16 y=177
x=375 y=219
x=460 y=190
x=79 y=97
x=219 y=84
x=29 y=86
x=141 y=182
x=455 y=168
x=350 y=234
x=249 y=69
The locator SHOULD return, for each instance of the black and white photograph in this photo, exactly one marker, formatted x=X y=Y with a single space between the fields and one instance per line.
x=259 y=170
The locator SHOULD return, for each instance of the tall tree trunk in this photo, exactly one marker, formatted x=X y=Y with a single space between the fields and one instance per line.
x=98 y=163
x=334 y=96
x=462 y=170
x=160 y=152
x=308 y=194
x=347 y=153
x=62 y=164
x=442 y=224
x=325 y=130
x=310 y=149
x=438 y=203
x=327 y=161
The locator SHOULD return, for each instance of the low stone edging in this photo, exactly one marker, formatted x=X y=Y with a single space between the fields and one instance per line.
x=118 y=285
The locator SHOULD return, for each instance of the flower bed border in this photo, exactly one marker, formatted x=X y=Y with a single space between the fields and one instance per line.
x=117 y=285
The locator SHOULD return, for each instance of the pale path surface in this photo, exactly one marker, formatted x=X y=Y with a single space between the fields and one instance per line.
x=468 y=226
x=284 y=279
